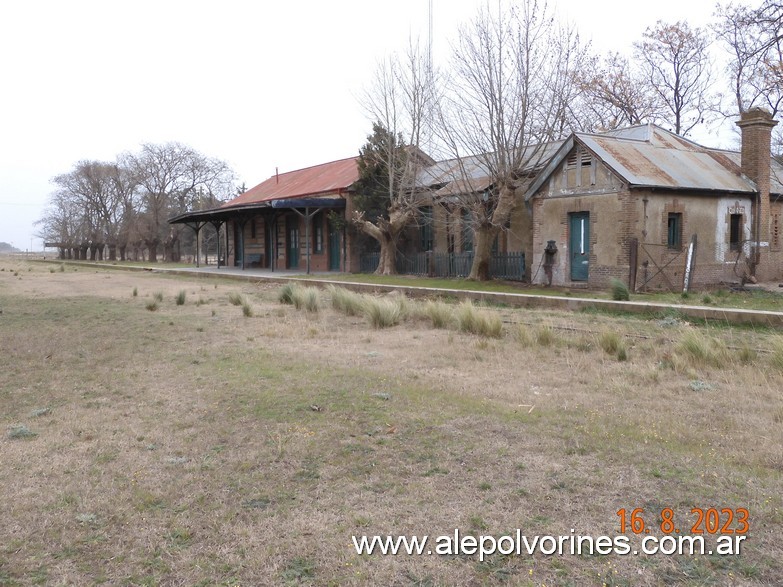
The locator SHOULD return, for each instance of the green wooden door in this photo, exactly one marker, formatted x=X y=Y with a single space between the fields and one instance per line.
x=293 y=243
x=579 y=245
x=334 y=248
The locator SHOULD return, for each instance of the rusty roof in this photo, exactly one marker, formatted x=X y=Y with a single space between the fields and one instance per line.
x=650 y=156
x=331 y=178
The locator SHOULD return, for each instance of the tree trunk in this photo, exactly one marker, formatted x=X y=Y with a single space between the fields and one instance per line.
x=123 y=249
x=100 y=251
x=386 y=258
x=482 y=252
x=486 y=232
x=83 y=253
x=153 y=249
x=112 y=252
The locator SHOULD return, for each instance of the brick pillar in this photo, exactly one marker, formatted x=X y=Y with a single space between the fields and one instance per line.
x=756 y=125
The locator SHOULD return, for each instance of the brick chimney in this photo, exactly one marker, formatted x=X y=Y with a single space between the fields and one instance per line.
x=756 y=125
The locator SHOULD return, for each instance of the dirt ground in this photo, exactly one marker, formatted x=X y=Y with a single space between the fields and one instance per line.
x=195 y=445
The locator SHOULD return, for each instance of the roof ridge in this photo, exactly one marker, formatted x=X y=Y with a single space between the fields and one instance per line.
x=313 y=166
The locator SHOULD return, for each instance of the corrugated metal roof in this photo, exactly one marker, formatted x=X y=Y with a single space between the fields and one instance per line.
x=328 y=178
x=471 y=175
x=666 y=162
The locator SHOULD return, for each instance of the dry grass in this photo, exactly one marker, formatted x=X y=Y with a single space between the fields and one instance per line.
x=184 y=447
x=481 y=322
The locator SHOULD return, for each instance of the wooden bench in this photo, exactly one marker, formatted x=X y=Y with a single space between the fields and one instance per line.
x=254 y=260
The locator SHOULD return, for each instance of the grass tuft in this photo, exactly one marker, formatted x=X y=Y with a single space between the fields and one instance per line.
x=180 y=298
x=700 y=349
x=158 y=296
x=382 y=312
x=619 y=290
x=610 y=342
x=135 y=292
x=440 y=313
x=308 y=298
x=236 y=298
x=247 y=309
x=545 y=335
x=776 y=357
x=471 y=319
x=286 y=294
x=346 y=301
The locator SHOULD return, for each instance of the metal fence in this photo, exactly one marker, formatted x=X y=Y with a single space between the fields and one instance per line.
x=509 y=266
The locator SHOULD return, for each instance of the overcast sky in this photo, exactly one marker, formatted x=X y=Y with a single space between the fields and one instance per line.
x=257 y=84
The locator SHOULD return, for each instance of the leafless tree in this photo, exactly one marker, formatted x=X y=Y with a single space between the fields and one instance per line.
x=60 y=223
x=400 y=102
x=676 y=64
x=169 y=176
x=613 y=95
x=512 y=69
x=754 y=39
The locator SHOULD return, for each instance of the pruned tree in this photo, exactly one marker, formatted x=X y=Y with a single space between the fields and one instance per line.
x=400 y=102
x=675 y=62
x=512 y=68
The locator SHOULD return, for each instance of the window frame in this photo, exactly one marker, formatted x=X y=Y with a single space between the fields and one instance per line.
x=318 y=234
x=735 y=231
x=674 y=231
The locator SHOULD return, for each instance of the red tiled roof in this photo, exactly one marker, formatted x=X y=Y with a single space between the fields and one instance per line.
x=319 y=180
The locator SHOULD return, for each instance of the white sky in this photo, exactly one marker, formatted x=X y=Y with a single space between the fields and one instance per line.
x=257 y=84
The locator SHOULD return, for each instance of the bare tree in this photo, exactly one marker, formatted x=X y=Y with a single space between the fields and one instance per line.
x=511 y=70
x=400 y=102
x=754 y=39
x=675 y=62
x=169 y=176
x=613 y=95
x=60 y=223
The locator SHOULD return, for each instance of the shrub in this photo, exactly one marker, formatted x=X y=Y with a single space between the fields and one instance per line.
x=440 y=313
x=346 y=301
x=382 y=312
x=180 y=299
x=470 y=319
x=619 y=290
x=21 y=431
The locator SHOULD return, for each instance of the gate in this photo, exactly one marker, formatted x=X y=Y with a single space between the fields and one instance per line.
x=659 y=262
